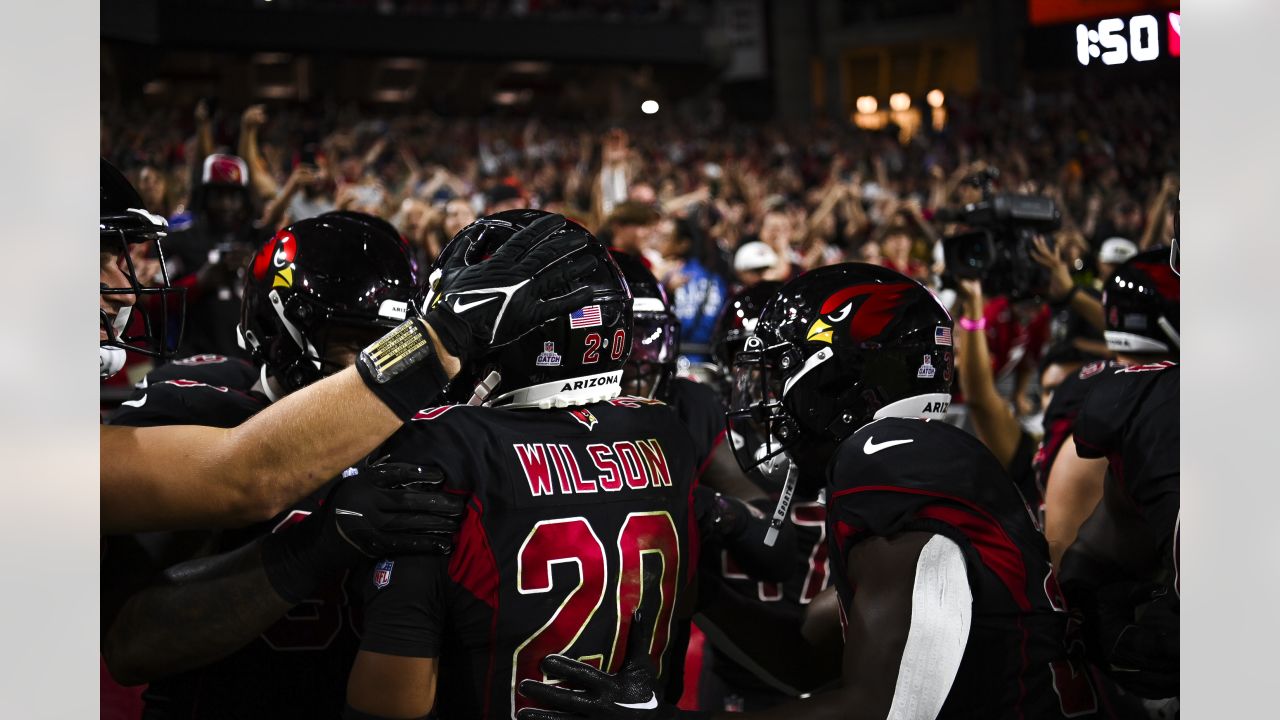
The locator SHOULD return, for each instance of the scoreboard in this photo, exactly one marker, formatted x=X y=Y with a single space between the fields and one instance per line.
x=1115 y=41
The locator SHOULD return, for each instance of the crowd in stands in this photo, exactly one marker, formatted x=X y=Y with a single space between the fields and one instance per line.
x=711 y=207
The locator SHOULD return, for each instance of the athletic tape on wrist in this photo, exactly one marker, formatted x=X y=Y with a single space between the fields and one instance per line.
x=402 y=369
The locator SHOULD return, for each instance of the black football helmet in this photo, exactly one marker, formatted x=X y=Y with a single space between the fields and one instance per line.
x=737 y=322
x=335 y=281
x=835 y=349
x=574 y=359
x=124 y=222
x=652 y=362
x=1141 y=305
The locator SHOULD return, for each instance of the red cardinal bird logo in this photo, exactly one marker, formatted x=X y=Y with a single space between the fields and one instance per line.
x=872 y=307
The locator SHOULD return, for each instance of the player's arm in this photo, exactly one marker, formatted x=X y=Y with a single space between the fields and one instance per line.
x=908 y=625
x=201 y=610
x=734 y=512
x=180 y=623
x=390 y=686
x=394 y=674
x=1072 y=492
x=184 y=476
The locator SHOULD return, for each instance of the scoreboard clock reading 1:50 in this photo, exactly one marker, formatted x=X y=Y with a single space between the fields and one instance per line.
x=1116 y=41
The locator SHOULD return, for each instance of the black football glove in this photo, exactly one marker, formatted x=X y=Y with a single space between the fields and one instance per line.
x=522 y=285
x=631 y=694
x=382 y=509
x=720 y=516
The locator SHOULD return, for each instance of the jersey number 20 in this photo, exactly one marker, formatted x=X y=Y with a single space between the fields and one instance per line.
x=573 y=540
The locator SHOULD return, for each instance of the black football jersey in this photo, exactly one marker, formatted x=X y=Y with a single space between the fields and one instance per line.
x=753 y=626
x=897 y=475
x=573 y=513
x=198 y=390
x=1060 y=418
x=299 y=666
x=701 y=411
x=1131 y=418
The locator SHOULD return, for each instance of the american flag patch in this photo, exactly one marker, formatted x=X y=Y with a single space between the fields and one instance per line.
x=588 y=316
x=942 y=336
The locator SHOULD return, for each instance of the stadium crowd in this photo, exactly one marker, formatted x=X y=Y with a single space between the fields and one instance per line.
x=711 y=207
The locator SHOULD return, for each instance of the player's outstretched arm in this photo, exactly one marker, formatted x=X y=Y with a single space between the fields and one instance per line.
x=190 y=476
x=202 y=610
x=184 y=476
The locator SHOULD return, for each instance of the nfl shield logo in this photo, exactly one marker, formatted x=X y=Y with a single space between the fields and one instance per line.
x=382 y=573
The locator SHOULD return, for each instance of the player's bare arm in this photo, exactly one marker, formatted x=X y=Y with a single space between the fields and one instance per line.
x=172 y=628
x=184 y=476
x=202 y=610
x=390 y=686
x=1071 y=494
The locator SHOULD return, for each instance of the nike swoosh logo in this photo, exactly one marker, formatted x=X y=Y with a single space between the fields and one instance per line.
x=136 y=403
x=649 y=704
x=340 y=511
x=871 y=448
x=461 y=307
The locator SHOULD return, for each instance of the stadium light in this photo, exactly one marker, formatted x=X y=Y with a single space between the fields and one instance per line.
x=649 y=107
x=900 y=101
x=935 y=98
x=866 y=104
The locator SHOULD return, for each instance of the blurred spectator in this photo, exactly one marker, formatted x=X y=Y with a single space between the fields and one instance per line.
x=698 y=292
x=504 y=196
x=630 y=229
x=895 y=254
x=1114 y=251
x=752 y=261
x=208 y=257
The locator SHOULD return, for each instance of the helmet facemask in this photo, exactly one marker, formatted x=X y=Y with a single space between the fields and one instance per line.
x=155 y=333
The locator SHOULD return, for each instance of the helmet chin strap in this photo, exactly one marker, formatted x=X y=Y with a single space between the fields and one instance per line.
x=110 y=360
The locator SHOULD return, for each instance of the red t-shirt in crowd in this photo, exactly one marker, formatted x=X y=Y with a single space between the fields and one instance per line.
x=1009 y=341
x=914 y=269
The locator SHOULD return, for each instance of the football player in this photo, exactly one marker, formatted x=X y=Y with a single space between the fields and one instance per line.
x=741 y=577
x=1122 y=569
x=314 y=295
x=731 y=509
x=579 y=502
x=756 y=655
x=948 y=600
x=1141 y=302
x=249 y=473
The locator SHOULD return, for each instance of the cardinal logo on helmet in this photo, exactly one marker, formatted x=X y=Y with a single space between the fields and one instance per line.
x=278 y=253
x=871 y=306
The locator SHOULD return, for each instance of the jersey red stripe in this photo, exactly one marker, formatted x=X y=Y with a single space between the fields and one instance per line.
x=997 y=550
